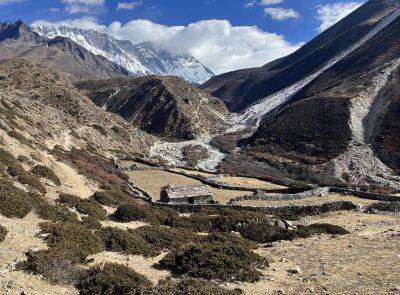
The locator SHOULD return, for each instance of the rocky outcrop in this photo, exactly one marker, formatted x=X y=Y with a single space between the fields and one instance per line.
x=166 y=106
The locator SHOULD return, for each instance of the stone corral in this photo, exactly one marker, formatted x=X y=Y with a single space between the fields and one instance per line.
x=200 y=194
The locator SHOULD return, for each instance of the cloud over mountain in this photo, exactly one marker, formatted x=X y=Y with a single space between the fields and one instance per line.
x=216 y=43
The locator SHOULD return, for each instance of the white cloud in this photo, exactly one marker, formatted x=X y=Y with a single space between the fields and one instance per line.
x=5 y=2
x=330 y=14
x=250 y=3
x=81 y=6
x=216 y=43
x=281 y=13
x=128 y=5
x=270 y=2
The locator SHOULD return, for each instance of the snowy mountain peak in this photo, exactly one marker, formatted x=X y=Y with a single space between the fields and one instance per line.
x=141 y=59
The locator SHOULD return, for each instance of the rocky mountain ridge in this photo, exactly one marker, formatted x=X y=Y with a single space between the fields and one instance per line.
x=166 y=106
x=242 y=88
x=141 y=59
x=62 y=54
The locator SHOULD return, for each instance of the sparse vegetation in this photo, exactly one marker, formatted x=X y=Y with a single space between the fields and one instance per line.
x=128 y=242
x=84 y=206
x=112 y=198
x=113 y=279
x=53 y=266
x=93 y=166
x=47 y=211
x=216 y=261
x=14 y=202
x=137 y=212
x=74 y=241
x=25 y=177
x=91 y=223
x=46 y=172
x=196 y=222
x=3 y=233
x=18 y=136
x=323 y=228
x=266 y=233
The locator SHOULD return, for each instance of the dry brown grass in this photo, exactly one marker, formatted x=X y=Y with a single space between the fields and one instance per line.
x=364 y=262
x=248 y=182
x=154 y=180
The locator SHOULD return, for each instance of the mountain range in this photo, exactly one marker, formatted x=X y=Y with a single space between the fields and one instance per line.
x=141 y=59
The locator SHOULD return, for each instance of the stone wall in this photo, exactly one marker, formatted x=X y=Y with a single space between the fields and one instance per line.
x=286 y=210
x=318 y=192
x=366 y=195
x=220 y=185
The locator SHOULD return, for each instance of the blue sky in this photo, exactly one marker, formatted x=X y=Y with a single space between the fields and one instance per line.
x=281 y=24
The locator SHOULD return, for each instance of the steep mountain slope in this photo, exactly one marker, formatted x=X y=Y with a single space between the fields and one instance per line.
x=241 y=88
x=344 y=120
x=59 y=53
x=141 y=59
x=51 y=111
x=167 y=106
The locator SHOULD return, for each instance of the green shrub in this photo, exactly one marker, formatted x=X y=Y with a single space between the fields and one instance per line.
x=215 y=261
x=72 y=239
x=137 y=212
x=46 y=172
x=84 y=206
x=266 y=233
x=194 y=222
x=69 y=200
x=230 y=239
x=166 y=238
x=91 y=223
x=321 y=228
x=7 y=158
x=3 y=233
x=25 y=177
x=118 y=240
x=188 y=286
x=113 y=279
x=112 y=198
x=18 y=136
x=24 y=159
x=50 y=212
x=14 y=202
x=92 y=209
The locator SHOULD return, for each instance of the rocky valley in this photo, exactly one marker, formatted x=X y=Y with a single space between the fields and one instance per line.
x=120 y=174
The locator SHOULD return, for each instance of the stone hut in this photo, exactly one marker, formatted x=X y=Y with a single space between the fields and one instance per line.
x=199 y=194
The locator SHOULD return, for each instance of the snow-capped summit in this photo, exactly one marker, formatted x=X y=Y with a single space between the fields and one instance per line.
x=141 y=59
